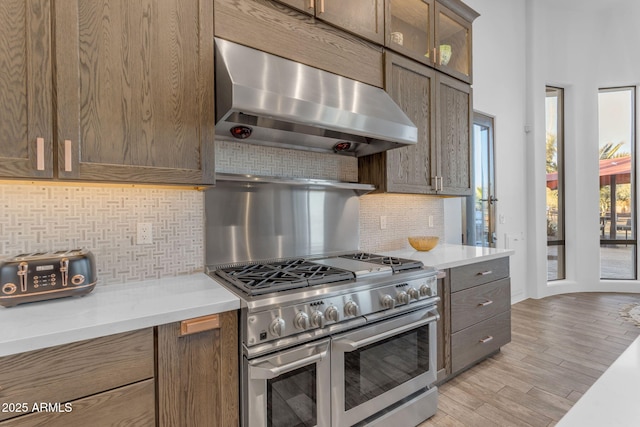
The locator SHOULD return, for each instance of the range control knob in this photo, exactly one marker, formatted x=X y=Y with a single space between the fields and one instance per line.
x=351 y=309
x=402 y=297
x=301 y=320
x=277 y=326
x=317 y=319
x=331 y=313
x=387 y=301
x=425 y=291
x=413 y=293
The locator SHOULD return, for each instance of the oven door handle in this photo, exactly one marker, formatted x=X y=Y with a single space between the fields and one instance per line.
x=267 y=373
x=348 y=345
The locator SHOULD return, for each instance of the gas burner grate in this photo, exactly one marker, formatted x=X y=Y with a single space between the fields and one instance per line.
x=396 y=264
x=257 y=279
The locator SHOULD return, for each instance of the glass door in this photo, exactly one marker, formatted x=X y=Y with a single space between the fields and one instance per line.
x=479 y=208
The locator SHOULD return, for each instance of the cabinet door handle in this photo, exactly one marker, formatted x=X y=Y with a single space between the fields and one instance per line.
x=486 y=339
x=486 y=303
x=199 y=324
x=312 y=4
x=68 y=164
x=321 y=6
x=485 y=273
x=40 y=154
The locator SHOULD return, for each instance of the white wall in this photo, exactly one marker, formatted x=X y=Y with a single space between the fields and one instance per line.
x=520 y=46
x=566 y=51
x=499 y=90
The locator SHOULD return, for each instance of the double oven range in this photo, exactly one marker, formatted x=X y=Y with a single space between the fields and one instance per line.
x=341 y=339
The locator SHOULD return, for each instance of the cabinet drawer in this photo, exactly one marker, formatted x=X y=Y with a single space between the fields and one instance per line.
x=479 y=303
x=472 y=344
x=133 y=405
x=71 y=371
x=478 y=273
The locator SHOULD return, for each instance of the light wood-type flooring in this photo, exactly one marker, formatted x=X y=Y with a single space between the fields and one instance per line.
x=560 y=346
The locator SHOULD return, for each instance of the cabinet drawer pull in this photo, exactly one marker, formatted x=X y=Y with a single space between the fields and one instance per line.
x=40 y=154
x=486 y=303
x=485 y=273
x=67 y=155
x=486 y=339
x=199 y=324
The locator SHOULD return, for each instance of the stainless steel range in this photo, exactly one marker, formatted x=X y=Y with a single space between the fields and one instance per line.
x=336 y=338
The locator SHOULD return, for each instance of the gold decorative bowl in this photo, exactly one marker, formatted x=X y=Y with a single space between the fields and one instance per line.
x=423 y=243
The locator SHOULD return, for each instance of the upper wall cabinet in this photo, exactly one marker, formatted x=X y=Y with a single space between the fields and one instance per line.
x=135 y=90
x=409 y=28
x=410 y=169
x=454 y=115
x=26 y=129
x=436 y=33
x=453 y=40
x=276 y=28
x=440 y=107
x=364 y=18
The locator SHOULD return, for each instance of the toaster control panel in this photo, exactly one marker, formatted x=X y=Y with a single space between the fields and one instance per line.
x=35 y=277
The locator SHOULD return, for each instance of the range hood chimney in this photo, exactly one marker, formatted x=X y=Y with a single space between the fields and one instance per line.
x=267 y=100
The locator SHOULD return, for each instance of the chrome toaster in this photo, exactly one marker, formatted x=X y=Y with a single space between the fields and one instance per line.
x=46 y=275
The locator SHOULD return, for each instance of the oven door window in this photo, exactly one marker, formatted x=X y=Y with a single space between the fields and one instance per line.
x=290 y=388
x=291 y=399
x=380 y=367
x=376 y=367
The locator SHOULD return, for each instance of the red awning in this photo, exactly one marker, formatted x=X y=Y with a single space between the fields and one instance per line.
x=619 y=167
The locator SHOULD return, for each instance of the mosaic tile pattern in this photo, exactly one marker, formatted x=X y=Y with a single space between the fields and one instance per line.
x=104 y=220
x=407 y=215
x=38 y=218
x=237 y=157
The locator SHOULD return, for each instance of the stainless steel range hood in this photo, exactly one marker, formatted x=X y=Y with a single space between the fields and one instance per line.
x=268 y=100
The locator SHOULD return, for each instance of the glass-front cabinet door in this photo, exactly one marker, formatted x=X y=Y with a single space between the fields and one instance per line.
x=453 y=43
x=409 y=28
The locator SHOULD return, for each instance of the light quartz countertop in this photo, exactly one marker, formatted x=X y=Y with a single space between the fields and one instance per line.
x=612 y=400
x=111 y=309
x=448 y=256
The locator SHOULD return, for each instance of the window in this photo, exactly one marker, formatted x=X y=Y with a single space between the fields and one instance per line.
x=554 y=117
x=616 y=127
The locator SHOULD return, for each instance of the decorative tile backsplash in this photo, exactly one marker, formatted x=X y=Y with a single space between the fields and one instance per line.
x=104 y=220
x=237 y=157
x=406 y=215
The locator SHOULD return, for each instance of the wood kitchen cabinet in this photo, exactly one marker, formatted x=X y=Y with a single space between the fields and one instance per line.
x=197 y=372
x=364 y=18
x=454 y=119
x=440 y=107
x=26 y=127
x=434 y=32
x=408 y=169
x=133 y=84
x=272 y=27
x=480 y=311
x=99 y=382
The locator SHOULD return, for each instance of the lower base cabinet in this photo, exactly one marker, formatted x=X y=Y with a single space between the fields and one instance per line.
x=132 y=405
x=99 y=382
x=178 y=374
x=476 y=315
x=197 y=372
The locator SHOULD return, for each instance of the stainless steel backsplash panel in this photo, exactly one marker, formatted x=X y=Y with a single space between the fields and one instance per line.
x=247 y=221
